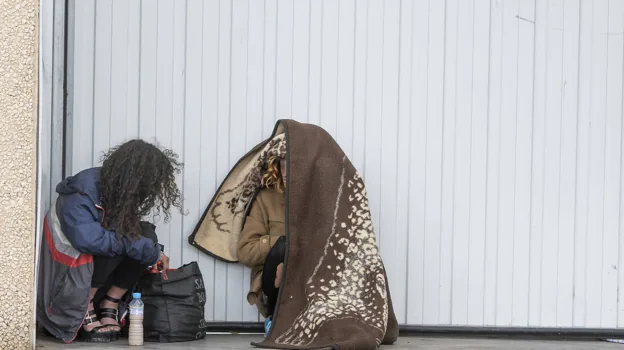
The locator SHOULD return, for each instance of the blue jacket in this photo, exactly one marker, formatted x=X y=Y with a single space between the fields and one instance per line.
x=79 y=212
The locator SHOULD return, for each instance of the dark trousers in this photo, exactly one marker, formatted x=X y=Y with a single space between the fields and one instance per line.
x=274 y=258
x=120 y=271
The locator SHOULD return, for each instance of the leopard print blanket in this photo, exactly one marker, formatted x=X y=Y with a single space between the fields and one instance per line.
x=335 y=289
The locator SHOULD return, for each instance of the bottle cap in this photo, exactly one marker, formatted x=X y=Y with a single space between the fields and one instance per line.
x=136 y=295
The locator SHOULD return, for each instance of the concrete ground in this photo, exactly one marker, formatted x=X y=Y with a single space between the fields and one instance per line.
x=239 y=341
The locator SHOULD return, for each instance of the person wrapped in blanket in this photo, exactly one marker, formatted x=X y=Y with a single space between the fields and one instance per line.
x=262 y=245
x=98 y=213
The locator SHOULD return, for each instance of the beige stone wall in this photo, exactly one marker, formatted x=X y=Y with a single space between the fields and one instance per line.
x=18 y=146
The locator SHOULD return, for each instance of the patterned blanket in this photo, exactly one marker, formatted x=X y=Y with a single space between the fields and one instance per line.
x=335 y=291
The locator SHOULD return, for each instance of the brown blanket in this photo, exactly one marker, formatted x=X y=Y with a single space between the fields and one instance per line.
x=335 y=290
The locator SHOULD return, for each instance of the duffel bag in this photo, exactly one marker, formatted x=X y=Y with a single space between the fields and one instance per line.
x=174 y=304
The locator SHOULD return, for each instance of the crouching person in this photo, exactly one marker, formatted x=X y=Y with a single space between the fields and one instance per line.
x=262 y=246
x=93 y=237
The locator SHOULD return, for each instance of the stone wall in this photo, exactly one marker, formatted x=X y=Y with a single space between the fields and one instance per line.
x=18 y=147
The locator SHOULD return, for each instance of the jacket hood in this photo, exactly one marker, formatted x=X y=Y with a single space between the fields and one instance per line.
x=85 y=182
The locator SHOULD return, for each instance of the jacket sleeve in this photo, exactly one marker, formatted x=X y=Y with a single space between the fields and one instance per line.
x=80 y=224
x=255 y=243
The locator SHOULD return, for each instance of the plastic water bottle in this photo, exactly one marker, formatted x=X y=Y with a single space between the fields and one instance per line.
x=135 y=331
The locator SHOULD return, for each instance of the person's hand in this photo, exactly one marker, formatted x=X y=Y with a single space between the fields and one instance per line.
x=278 y=275
x=165 y=261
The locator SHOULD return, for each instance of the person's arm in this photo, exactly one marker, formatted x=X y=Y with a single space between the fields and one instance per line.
x=255 y=241
x=80 y=224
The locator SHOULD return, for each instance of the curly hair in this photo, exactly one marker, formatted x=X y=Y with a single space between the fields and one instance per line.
x=272 y=177
x=136 y=178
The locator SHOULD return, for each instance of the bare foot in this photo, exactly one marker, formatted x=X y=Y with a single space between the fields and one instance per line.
x=89 y=327
x=278 y=275
x=108 y=321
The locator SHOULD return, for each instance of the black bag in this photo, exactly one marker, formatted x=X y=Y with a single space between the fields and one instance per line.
x=174 y=305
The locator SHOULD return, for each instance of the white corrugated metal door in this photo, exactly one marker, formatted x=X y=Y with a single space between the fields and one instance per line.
x=489 y=134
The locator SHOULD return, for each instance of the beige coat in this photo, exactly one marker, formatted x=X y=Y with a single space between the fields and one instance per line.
x=263 y=226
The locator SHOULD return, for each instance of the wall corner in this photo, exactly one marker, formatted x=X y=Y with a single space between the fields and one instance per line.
x=18 y=173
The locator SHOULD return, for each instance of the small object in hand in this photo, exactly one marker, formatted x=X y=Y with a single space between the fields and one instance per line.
x=163 y=263
x=157 y=268
x=278 y=275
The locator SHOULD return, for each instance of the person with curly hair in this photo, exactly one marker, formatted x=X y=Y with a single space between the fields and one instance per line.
x=94 y=237
x=262 y=246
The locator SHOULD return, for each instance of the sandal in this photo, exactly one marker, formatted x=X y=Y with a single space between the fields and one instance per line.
x=93 y=336
x=113 y=314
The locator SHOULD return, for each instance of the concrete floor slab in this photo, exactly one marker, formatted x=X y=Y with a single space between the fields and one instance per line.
x=238 y=341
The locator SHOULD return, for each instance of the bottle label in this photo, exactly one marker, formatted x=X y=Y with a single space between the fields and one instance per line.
x=136 y=311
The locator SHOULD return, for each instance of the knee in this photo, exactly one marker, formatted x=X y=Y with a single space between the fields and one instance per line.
x=149 y=230
x=278 y=251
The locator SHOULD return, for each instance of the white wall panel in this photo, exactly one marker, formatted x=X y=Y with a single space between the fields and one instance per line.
x=489 y=133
